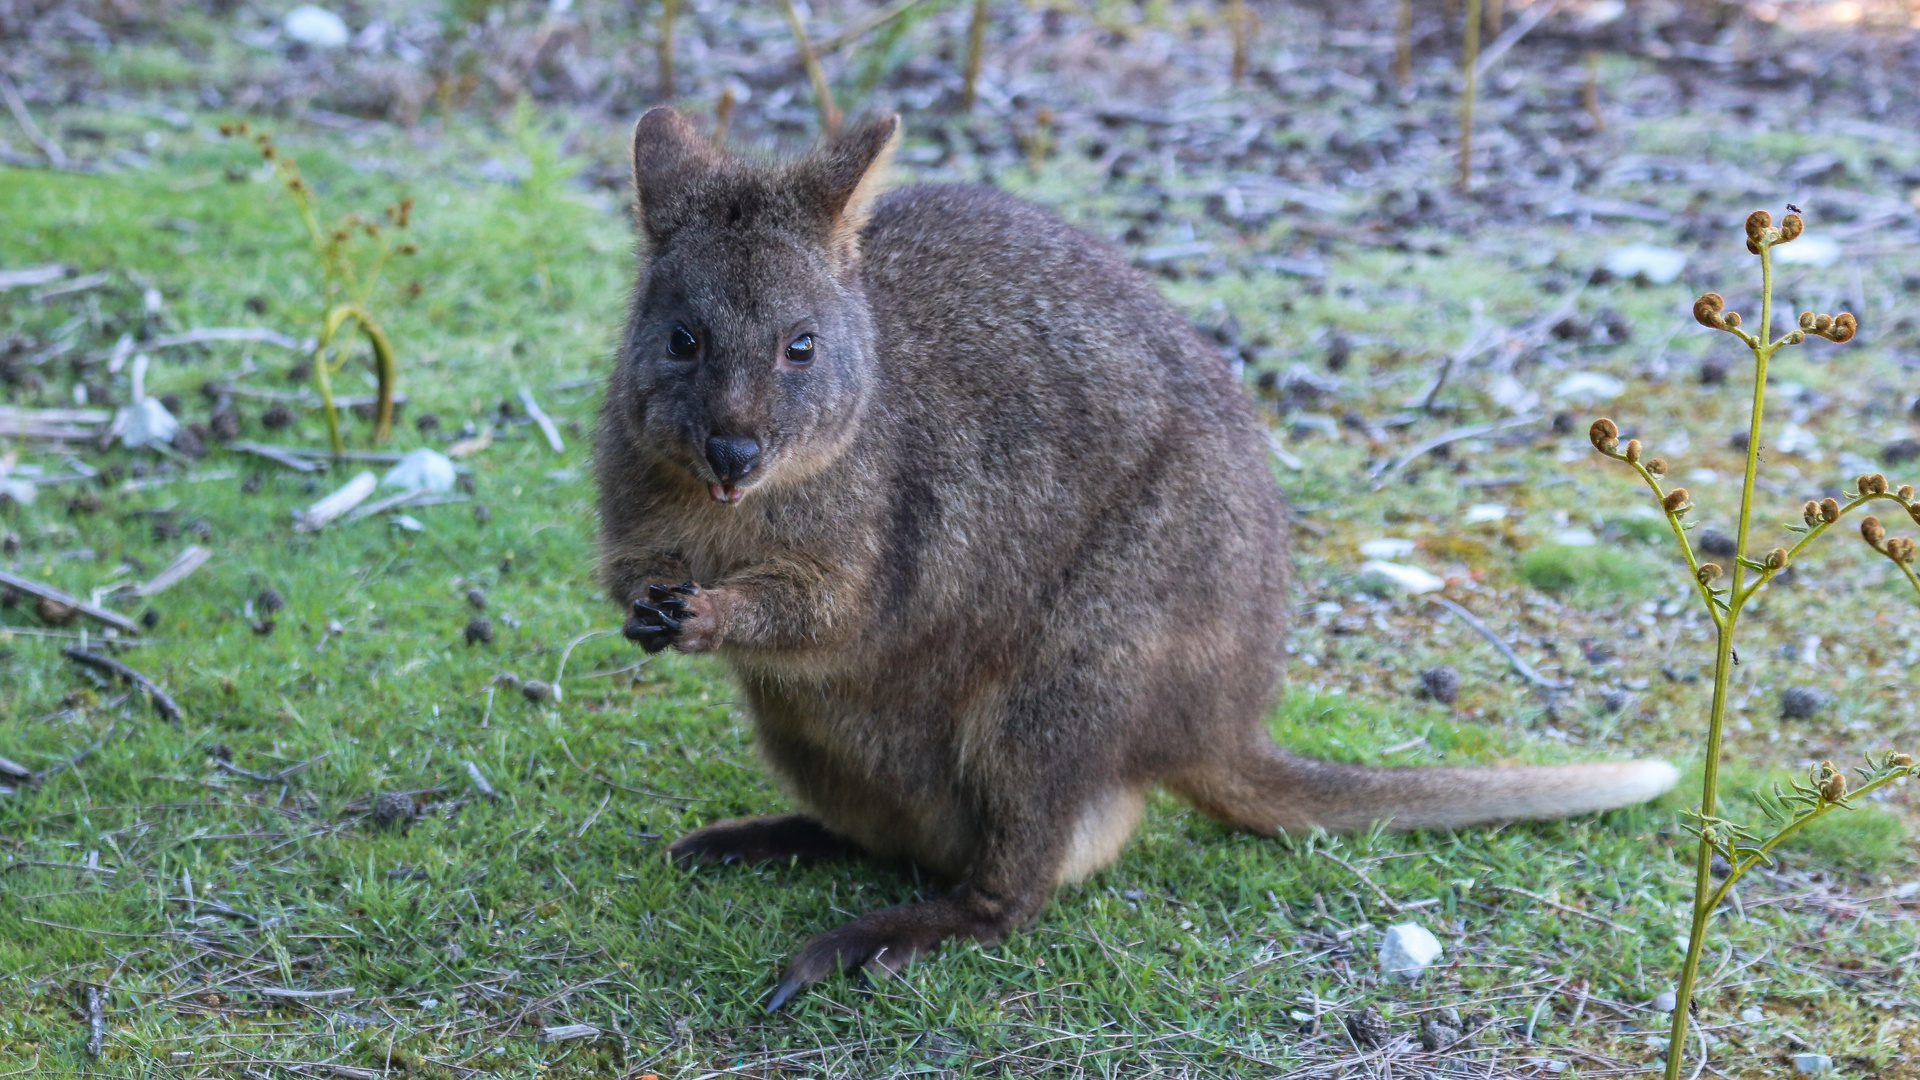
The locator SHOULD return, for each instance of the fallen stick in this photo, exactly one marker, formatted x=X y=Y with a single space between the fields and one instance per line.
x=480 y=783
x=864 y=27
x=340 y=994
x=1534 y=17
x=1557 y=905
x=48 y=592
x=226 y=333
x=96 y=1020
x=163 y=704
x=280 y=777
x=279 y=456
x=1381 y=474
x=79 y=757
x=546 y=422
x=1519 y=666
x=351 y=494
x=1393 y=906
x=192 y=558
x=18 y=106
x=79 y=284
x=31 y=275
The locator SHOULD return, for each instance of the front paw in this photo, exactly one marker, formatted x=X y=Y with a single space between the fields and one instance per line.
x=661 y=618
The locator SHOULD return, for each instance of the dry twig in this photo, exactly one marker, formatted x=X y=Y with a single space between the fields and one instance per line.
x=163 y=704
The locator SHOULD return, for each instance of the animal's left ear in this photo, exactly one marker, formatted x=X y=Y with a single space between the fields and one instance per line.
x=842 y=178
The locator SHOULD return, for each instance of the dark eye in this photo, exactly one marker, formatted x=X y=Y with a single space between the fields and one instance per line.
x=800 y=351
x=682 y=343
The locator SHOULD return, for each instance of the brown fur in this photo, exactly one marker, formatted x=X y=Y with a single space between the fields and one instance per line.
x=1012 y=554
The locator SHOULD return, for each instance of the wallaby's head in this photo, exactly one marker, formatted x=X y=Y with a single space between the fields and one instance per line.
x=749 y=354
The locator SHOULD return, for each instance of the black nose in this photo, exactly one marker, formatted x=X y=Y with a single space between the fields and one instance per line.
x=732 y=456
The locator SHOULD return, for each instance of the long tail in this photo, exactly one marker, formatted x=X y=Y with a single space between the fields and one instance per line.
x=1268 y=790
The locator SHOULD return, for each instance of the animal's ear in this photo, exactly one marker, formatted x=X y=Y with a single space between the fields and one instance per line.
x=669 y=160
x=842 y=178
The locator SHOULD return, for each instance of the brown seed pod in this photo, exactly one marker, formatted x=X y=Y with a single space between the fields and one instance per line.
x=1905 y=492
x=1757 y=223
x=1833 y=782
x=1914 y=512
x=1873 y=532
x=1829 y=510
x=1657 y=466
x=1811 y=512
x=1901 y=548
x=1605 y=435
x=1633 y=451
x=1676 y=501
x=1899 y=761
x=1807 y=320
x=1753 y=248
x=1731 y=320
x=1708 y=573
x=1790 y=227
x=1844 y=325
x=1794 y=338
x=1822 y=323
x=1876 y=484
x=1776 y=558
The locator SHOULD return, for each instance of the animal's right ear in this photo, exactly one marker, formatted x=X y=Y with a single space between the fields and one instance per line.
x=669 y=158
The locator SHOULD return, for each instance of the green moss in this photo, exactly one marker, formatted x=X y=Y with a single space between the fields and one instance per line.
x=1560 y=568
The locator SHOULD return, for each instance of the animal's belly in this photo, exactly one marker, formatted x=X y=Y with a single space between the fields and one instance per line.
x=878 y=776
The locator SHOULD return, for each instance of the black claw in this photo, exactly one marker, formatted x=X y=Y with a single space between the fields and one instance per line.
x=652 y=626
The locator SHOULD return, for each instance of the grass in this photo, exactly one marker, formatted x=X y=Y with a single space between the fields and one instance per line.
x=1203 y=952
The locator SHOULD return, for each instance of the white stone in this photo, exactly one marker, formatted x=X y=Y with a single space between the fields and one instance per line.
x=421 y=469
x=1576 y=538
x=1406 y=578
x=312 y=25
x=146 y=423
x=1588 y=386
x=1480 y=513
x=1752 y=1015
x=1664 y=1001
x=20 y=491
x=1407 y=951
x=1812 y=1064
x=1808 y=251
x=1900 y=892
x=1386 y=547
x=1659 y=265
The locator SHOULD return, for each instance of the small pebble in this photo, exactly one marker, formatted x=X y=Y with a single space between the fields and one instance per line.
x=1715 y=542
x=1802 y=702
x=1442 y=684
x=149 y=618
x=479 y=629
x=1812 y=1064
x=1664 y=1001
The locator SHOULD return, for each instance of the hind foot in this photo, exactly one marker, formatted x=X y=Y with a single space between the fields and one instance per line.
x=774 y=838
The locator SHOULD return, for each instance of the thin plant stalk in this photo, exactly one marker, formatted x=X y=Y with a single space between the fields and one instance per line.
x=1590 y=91
x=1470 y=59
x=976 y=53
x=1496 y=17
x=822 y=93
x=1403 y=44
x=722 y=114
x=664 y=48
x=1741 y=849
x=1237 y=19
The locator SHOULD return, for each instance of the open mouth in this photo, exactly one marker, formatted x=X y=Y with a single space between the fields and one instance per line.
x=724 y=493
